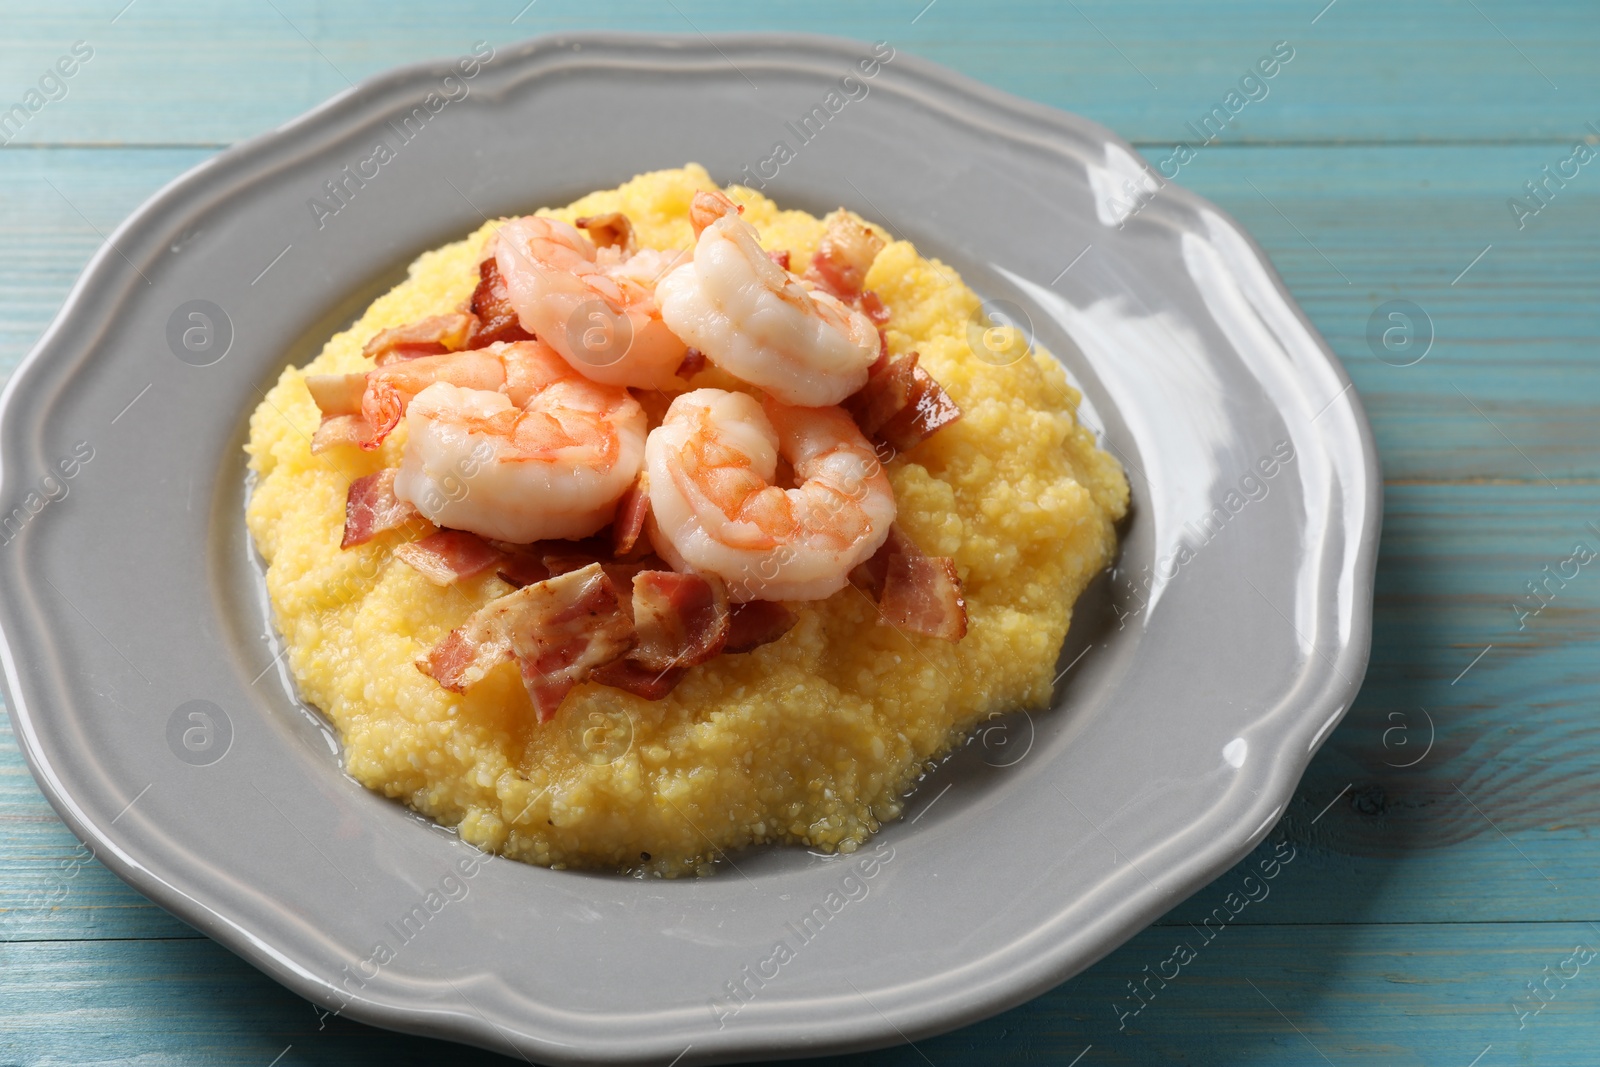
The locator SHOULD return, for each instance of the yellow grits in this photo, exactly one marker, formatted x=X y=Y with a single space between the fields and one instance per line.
x=811 y=739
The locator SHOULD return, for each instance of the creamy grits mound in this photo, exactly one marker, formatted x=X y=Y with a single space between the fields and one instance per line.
x=809 y=740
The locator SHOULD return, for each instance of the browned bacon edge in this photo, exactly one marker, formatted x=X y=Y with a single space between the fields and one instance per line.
x=694 y=361
x=449 y=556
x=757 y=622
x=491 y=304
x=681 y=619
x=844 y=255
x=670 y=623
x=370 y=508
x=431 y=336
x=873 y=307
x=559 y=631
x=915 y=592
x=901 y=404
x=630 y=677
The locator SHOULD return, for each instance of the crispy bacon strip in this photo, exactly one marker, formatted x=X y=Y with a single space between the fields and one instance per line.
x=497 y=319
x=873 y=307
x=432 y=336
x=559 y=631
x=901 y=404
x=915 y=592
x=681 y=619
x=522 y=565
x=843 y=257
x=694 y=361
x=628 y=522
x=340 y=430
x=472 y=649
x=337 y=394
x=630 y=677
x=611 y=230
x=370 y=508
x=756 y=623
x=449 y=556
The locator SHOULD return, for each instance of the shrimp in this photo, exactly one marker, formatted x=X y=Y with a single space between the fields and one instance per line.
x=516 y=369
x=710 y=467
x=547 y=454
x=760 y=323
x=596 y=308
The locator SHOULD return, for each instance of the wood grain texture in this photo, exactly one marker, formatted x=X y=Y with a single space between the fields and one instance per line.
x=1425 y=894
x=1513 y=366
x=1285 y=996
x=1436 y=70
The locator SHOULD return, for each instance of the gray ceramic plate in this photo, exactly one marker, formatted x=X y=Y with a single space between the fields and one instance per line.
x=1198 y=681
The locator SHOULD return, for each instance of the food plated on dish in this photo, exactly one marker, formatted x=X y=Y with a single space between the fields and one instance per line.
x=627 y=534
x=1174 y=742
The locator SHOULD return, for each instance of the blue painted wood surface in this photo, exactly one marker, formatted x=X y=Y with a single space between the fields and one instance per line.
x=1436 y=908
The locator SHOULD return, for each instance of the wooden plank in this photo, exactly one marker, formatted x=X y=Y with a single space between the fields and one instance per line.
x=1298 y=996
x=1515 y=363
x=61 y=204
x=1515 y=366
x=51 y=886
x=213 y=73
x=1491 y=824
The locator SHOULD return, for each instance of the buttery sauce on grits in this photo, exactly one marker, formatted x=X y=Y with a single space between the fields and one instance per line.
x=627 y=534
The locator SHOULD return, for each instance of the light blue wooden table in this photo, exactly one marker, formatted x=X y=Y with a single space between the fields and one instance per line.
x=1442 y=905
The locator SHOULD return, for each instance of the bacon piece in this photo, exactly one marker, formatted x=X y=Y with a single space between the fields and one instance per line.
x=491 y=303
x=843 y=257
x=559 y=631
x=472 y=649
x=694 y=361
x=564 y=556
x=915 y=592
x=337 y=394
x=780 y=256
x=340 y=430
x=757 y=622
x=681 y=619
x=611 y=230
x=901 y=404
x=522 y=565
x=873 y=307
x=630 y=677
x=449 y=556
x=432 y=336
x=709 y=205
x=526 y=564
x=628 y=522
x=370 y=508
